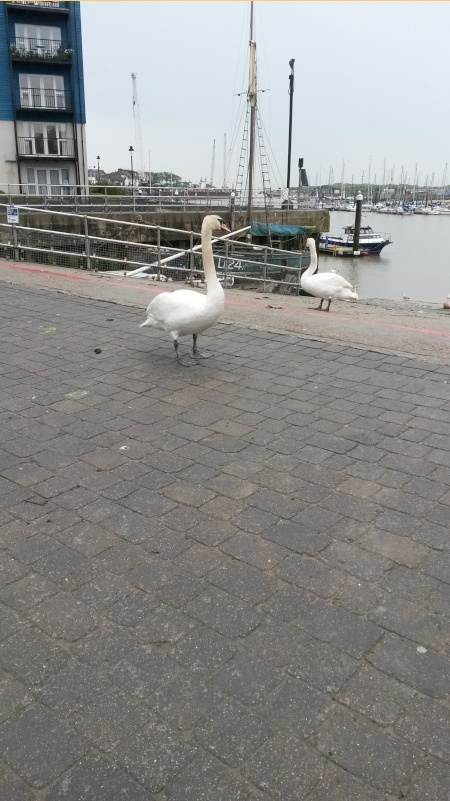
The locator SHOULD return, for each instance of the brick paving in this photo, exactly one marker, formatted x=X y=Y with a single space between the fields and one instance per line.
x=223 y=583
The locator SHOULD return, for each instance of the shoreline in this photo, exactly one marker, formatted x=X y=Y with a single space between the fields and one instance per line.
x=413 y=328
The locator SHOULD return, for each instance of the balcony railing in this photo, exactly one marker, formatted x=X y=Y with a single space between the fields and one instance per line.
x=46 y=147
x=46 y=99
x=46 y=6
x=25 y=49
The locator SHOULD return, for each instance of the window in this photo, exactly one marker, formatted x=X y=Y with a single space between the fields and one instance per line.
x=42 y=91
x=39 y=38
x=47 y=182
x=45 y=139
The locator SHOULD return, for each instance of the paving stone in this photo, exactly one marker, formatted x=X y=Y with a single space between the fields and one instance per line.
x=202 y=650
x=31 y=656
x=147 y=503
x=295 y=707
x=108 y=718
x=426 y=724
x=409 y=584
x=89 y=539
x=163 y=625
x=185 y=699
x=410 y=620
x=438 y=566
x=243 y=580
x=38 y=746
x=431 y=782
x=33 y=548
x=232 y=732
x=246 y=678
x=366 y=750
x=109 y=643
x=63 y=617
x=253 y=549
x=285 y=768
x=26 y=592
x=14 y=789
x=276 y=643
x=428 y=672
x=96 y=779
x=310 y=574
x=296 y=537
x=356 y=560
x=10 y=622
x=73 y=687
x=342 y=786
x=231 y=616
x=399 y=549
x=287 y=603
x=208 y=777
x=376 y=695
x=13 y=696
x=343 y=630
x=129 y=610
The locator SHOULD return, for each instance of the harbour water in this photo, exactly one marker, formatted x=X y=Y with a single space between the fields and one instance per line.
x=416 y=264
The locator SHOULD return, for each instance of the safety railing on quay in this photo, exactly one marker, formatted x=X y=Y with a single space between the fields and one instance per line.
x=237 y=260
x=137 y=199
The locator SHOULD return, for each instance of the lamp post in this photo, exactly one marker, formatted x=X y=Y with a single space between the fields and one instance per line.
x=131 y=151
x=291 y=98
x=98 y=169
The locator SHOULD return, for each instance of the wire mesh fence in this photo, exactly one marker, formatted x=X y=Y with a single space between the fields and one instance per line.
x=237 y=262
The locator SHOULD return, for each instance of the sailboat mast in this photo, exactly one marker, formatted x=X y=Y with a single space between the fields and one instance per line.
x=251 y=96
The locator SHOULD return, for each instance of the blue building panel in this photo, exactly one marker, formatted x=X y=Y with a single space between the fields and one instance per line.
x=77 y=62
x=6 y=107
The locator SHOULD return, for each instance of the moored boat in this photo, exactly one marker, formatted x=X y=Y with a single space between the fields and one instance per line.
x=370 y=243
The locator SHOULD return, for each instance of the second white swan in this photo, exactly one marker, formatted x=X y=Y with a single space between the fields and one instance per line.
x=326 y=286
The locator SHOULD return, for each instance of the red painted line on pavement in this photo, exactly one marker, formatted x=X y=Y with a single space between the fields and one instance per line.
x=234 y=301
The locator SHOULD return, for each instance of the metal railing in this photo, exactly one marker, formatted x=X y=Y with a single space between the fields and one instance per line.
x=45 y=146
x=25 y=48
x=237 y=261
x=96 y=198
x=46 y=99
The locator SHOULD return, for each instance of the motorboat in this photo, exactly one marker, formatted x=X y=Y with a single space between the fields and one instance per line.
x=369 y=242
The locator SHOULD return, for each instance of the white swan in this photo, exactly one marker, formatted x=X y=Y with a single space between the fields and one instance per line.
x=326 y=286
x=186 y=311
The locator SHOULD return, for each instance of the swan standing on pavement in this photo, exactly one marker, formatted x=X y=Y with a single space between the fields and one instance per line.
x=186 y=311
x=326 y=286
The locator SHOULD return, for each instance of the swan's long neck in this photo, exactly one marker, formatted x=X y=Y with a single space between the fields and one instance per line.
x=313 y=263
x=208 y=259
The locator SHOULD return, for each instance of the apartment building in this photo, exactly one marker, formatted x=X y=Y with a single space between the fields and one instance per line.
x=42 y=110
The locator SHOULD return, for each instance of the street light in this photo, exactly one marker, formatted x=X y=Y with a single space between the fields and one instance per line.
x=131 y=151
x=98 y=169
x=291 y=98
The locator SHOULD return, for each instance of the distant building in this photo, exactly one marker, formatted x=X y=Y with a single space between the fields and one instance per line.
x=42 y=112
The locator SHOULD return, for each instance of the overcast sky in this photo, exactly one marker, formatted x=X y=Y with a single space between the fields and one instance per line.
x=371 y=84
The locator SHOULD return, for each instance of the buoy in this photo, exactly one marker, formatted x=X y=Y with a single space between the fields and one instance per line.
x=446 y=303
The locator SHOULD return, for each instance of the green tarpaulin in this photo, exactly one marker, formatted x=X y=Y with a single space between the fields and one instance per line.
x=260 y=229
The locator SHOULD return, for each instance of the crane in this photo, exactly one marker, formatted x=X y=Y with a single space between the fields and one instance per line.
x=137 y=129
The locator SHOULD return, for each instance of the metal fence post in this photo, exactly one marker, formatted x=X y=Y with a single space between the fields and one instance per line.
x=265 y=270
x=191 y=258
x=87 y=244
x=225 y=271
x=14 y=238
x=299 y=276
x=158 y=245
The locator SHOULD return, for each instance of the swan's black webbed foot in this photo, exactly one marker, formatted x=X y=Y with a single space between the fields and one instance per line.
x=185 y=362
x=199 y=354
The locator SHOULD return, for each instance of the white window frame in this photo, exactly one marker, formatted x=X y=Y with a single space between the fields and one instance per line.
x=41 y=96
x=46 y=37
x=40 y=143
x=41 y=181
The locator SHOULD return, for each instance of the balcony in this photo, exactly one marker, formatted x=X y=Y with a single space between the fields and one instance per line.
x=45 y=147
x=43 y=99
x=55 y=50
x=46 y=7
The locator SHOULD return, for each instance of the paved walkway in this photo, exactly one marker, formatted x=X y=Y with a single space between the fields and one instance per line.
x=222 y=583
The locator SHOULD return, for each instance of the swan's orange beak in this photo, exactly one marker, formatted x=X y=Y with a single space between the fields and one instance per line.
x=223 y=227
